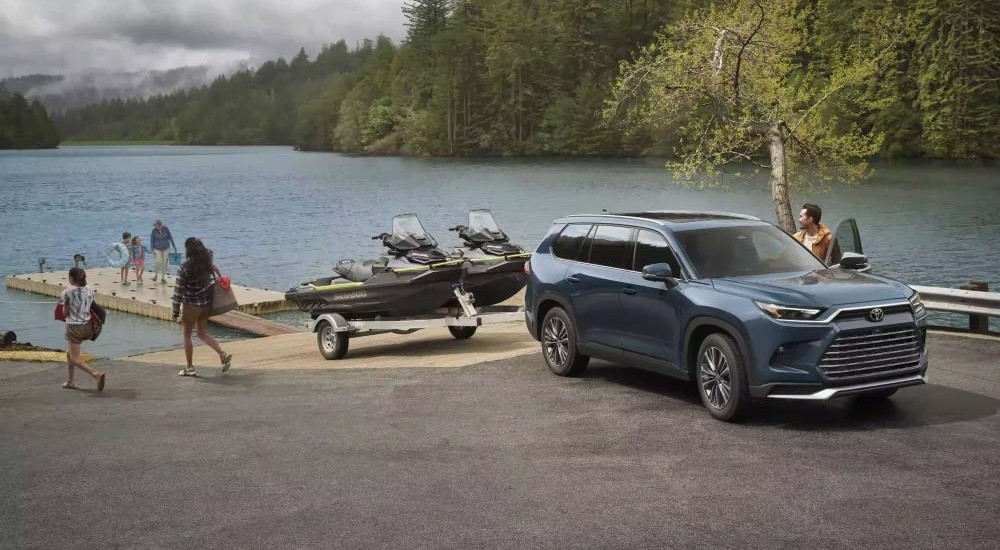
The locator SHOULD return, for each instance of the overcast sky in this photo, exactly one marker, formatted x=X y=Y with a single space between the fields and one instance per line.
x=69 y=36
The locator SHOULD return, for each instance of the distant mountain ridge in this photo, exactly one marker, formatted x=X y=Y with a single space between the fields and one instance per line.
x=60 y=93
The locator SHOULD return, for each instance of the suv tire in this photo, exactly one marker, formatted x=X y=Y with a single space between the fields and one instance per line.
x=558 y=337
x=720 y=372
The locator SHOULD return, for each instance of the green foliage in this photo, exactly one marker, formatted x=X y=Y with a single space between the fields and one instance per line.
x=381 y=120
x=958 y=60
x=513 y=77
x=727 y=77
x=26 y=126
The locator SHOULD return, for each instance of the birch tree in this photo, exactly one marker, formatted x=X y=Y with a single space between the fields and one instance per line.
x=735 y=80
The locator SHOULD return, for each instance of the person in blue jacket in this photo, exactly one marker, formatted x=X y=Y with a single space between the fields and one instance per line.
x=161 y=241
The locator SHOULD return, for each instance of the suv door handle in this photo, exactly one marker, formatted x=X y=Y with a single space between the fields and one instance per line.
x=630 y=291
x=573 y=279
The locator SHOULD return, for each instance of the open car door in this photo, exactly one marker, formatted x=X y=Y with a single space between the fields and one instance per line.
x=846 y=244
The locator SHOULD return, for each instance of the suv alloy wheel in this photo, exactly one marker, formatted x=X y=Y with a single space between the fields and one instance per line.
x=558 y=336
x=721 y=377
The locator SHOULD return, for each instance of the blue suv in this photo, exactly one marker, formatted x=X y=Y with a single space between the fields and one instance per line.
x=728 y=301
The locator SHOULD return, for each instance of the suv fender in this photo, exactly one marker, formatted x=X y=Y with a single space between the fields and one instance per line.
x=724 y=326
x=538 y=314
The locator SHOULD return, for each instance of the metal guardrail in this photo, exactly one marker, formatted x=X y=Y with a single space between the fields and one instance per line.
x=979 y=305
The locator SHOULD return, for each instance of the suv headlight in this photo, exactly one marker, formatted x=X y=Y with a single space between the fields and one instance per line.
x=917 y=304
x=789 y=313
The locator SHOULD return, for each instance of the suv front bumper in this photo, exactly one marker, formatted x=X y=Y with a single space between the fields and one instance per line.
x=779 y=391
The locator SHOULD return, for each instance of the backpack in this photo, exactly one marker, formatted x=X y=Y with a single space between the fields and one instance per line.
x=97 y=318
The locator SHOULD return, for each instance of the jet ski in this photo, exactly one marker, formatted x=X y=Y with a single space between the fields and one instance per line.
x=416 y=278
x=496 y=266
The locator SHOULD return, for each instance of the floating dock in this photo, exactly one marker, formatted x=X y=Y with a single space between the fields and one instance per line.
x=154 y=299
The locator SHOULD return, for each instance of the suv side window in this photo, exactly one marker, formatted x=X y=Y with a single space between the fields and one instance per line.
x=652 y=248
x=568 y=245
x=610 y=246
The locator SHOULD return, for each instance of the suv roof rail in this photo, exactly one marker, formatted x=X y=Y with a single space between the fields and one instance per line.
x=674 y=215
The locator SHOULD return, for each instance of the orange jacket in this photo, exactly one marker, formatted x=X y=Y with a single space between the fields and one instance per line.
x=822 y=244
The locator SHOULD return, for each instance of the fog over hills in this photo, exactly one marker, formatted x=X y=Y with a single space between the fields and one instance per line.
x=64 y=92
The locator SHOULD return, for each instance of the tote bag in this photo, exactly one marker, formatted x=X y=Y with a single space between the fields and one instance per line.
x=223 y=298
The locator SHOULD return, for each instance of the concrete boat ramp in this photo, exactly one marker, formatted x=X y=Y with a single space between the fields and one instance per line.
x=153 y=299
x=288 y=347
x=429 y=348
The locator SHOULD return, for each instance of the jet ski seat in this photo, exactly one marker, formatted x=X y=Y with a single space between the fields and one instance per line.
x=359 y=271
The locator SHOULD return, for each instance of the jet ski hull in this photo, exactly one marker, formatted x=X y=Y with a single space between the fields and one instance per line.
x=492 y=282
x=388 y=294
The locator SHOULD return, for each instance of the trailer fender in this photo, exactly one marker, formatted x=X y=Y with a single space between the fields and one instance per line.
x=339 y=323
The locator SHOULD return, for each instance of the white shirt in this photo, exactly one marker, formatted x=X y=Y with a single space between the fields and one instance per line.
x=77 y=301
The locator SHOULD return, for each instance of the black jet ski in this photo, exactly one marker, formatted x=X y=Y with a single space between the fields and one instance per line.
x=496 y=265
x=415 y=279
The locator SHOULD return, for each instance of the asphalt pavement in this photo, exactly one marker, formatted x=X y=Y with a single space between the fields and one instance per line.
x=501 y=454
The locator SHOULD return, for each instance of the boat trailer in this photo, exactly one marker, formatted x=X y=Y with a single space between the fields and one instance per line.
x=334 y=332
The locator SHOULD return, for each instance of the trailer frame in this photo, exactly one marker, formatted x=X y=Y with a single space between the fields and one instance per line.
x=334 y=331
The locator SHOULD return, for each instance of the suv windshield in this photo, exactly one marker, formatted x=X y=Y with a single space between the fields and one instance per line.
x=744 y=250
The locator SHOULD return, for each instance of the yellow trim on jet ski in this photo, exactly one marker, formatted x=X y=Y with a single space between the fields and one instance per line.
x=334 y=287
x=448 y=263
x=409 y=269
x=502 y=258
x=486 y=260
x=427 y=267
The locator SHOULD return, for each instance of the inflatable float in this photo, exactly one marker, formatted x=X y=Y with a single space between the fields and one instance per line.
x=118 y=254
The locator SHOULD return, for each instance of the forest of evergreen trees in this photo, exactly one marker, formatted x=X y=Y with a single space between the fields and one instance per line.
x=530 y=77
x=25 y=126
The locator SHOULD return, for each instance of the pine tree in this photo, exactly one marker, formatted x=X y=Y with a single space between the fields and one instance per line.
x=958 y=64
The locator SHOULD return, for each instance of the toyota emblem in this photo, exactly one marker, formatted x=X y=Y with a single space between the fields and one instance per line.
x=876 y=315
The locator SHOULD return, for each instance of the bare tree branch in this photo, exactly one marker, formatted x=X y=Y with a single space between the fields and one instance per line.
x=717 y=52
x=739 y=57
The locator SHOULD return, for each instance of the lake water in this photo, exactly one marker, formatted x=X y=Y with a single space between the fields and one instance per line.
x=276 y=217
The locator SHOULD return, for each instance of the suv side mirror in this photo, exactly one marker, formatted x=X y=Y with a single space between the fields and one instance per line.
x=662 y=273
x=857 y=262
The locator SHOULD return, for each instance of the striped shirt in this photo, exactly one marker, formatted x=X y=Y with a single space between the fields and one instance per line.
x=77 y=301
x=190 y=290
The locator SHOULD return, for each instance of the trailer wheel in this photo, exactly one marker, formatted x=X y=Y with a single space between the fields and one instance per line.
x=461 y=333
x=332 y=345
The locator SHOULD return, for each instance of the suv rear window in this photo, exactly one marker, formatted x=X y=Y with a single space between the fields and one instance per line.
x=567 y=246
x=610 y=246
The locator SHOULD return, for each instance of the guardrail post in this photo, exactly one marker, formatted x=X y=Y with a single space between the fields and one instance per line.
x=978 y=323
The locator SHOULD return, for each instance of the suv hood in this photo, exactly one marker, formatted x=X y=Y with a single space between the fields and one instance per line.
x=820 y=288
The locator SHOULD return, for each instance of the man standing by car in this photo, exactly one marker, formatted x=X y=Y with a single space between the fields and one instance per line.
x=161 y=241
x=814 y=235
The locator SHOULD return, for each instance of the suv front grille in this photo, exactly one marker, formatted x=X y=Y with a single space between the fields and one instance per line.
x=863 y=313
x=872 y=352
